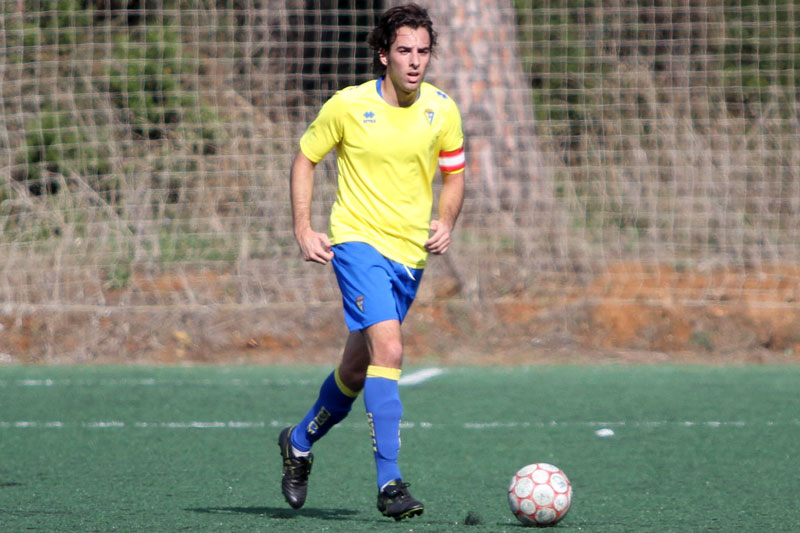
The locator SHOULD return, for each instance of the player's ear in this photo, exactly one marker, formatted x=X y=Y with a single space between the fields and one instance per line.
x=383 y=57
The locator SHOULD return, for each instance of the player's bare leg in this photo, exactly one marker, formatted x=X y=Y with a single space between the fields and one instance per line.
x=385 y=343
x=355 y=360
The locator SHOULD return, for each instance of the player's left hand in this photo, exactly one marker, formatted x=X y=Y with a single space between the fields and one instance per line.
x=439 y=241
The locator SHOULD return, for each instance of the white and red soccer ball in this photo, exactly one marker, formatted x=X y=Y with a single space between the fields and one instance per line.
x=539 y=494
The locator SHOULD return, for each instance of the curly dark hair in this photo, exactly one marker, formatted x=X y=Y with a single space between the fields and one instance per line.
x=382 y=37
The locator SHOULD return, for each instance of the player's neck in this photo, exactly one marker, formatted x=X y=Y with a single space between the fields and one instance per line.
x=395 y=97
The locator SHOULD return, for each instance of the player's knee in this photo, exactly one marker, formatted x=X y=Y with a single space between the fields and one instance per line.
x=389 y=354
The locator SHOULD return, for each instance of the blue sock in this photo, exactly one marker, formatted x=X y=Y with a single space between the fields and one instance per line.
x=332 y=406
x=384 y=411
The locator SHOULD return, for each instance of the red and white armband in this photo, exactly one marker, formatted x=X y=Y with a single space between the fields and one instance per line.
x=454 y=161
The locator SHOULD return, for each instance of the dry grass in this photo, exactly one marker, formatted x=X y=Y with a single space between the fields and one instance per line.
x=662 y=173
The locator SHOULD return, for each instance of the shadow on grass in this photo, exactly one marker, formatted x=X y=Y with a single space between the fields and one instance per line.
x=279 y=512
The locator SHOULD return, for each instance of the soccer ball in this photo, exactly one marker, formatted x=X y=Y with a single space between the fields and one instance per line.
x=539 y=494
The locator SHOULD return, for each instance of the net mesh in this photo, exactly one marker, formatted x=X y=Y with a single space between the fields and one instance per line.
x=617 y=150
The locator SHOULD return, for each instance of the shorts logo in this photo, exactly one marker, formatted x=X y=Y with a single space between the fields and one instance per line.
x=360 y=303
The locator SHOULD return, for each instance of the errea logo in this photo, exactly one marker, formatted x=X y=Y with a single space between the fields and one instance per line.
x=369 y=118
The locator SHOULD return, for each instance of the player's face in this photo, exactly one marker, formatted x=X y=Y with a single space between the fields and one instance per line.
x=407 y=60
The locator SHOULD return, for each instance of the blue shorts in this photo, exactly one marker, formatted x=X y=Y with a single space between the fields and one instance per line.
x=373 y=287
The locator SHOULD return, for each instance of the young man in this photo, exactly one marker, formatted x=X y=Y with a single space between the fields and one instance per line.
x=389 y=134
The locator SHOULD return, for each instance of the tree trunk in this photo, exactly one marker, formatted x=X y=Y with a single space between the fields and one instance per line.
x=478 y=64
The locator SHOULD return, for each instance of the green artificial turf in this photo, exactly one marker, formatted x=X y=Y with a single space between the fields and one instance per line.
x=172 y=449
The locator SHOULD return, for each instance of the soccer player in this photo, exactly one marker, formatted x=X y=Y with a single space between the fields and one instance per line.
x=390 y=134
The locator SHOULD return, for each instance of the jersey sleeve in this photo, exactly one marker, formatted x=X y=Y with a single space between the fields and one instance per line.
x=325 y=132
x=451 y=154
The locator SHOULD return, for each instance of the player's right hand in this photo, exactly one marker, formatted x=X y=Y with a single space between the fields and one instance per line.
x=315 y=247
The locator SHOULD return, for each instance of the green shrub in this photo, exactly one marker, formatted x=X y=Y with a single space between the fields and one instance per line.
x=56 y=142
x=145 y=79
x=749 y=46
x=144 y=69
x=56 y=22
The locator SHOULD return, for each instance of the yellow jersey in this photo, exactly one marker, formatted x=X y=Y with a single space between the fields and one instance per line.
x=386 y=158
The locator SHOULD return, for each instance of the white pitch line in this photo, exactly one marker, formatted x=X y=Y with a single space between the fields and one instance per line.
x=104 y=424
x=244 y=424
x=420 y=376
x=149 y=382
x=37 y=382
